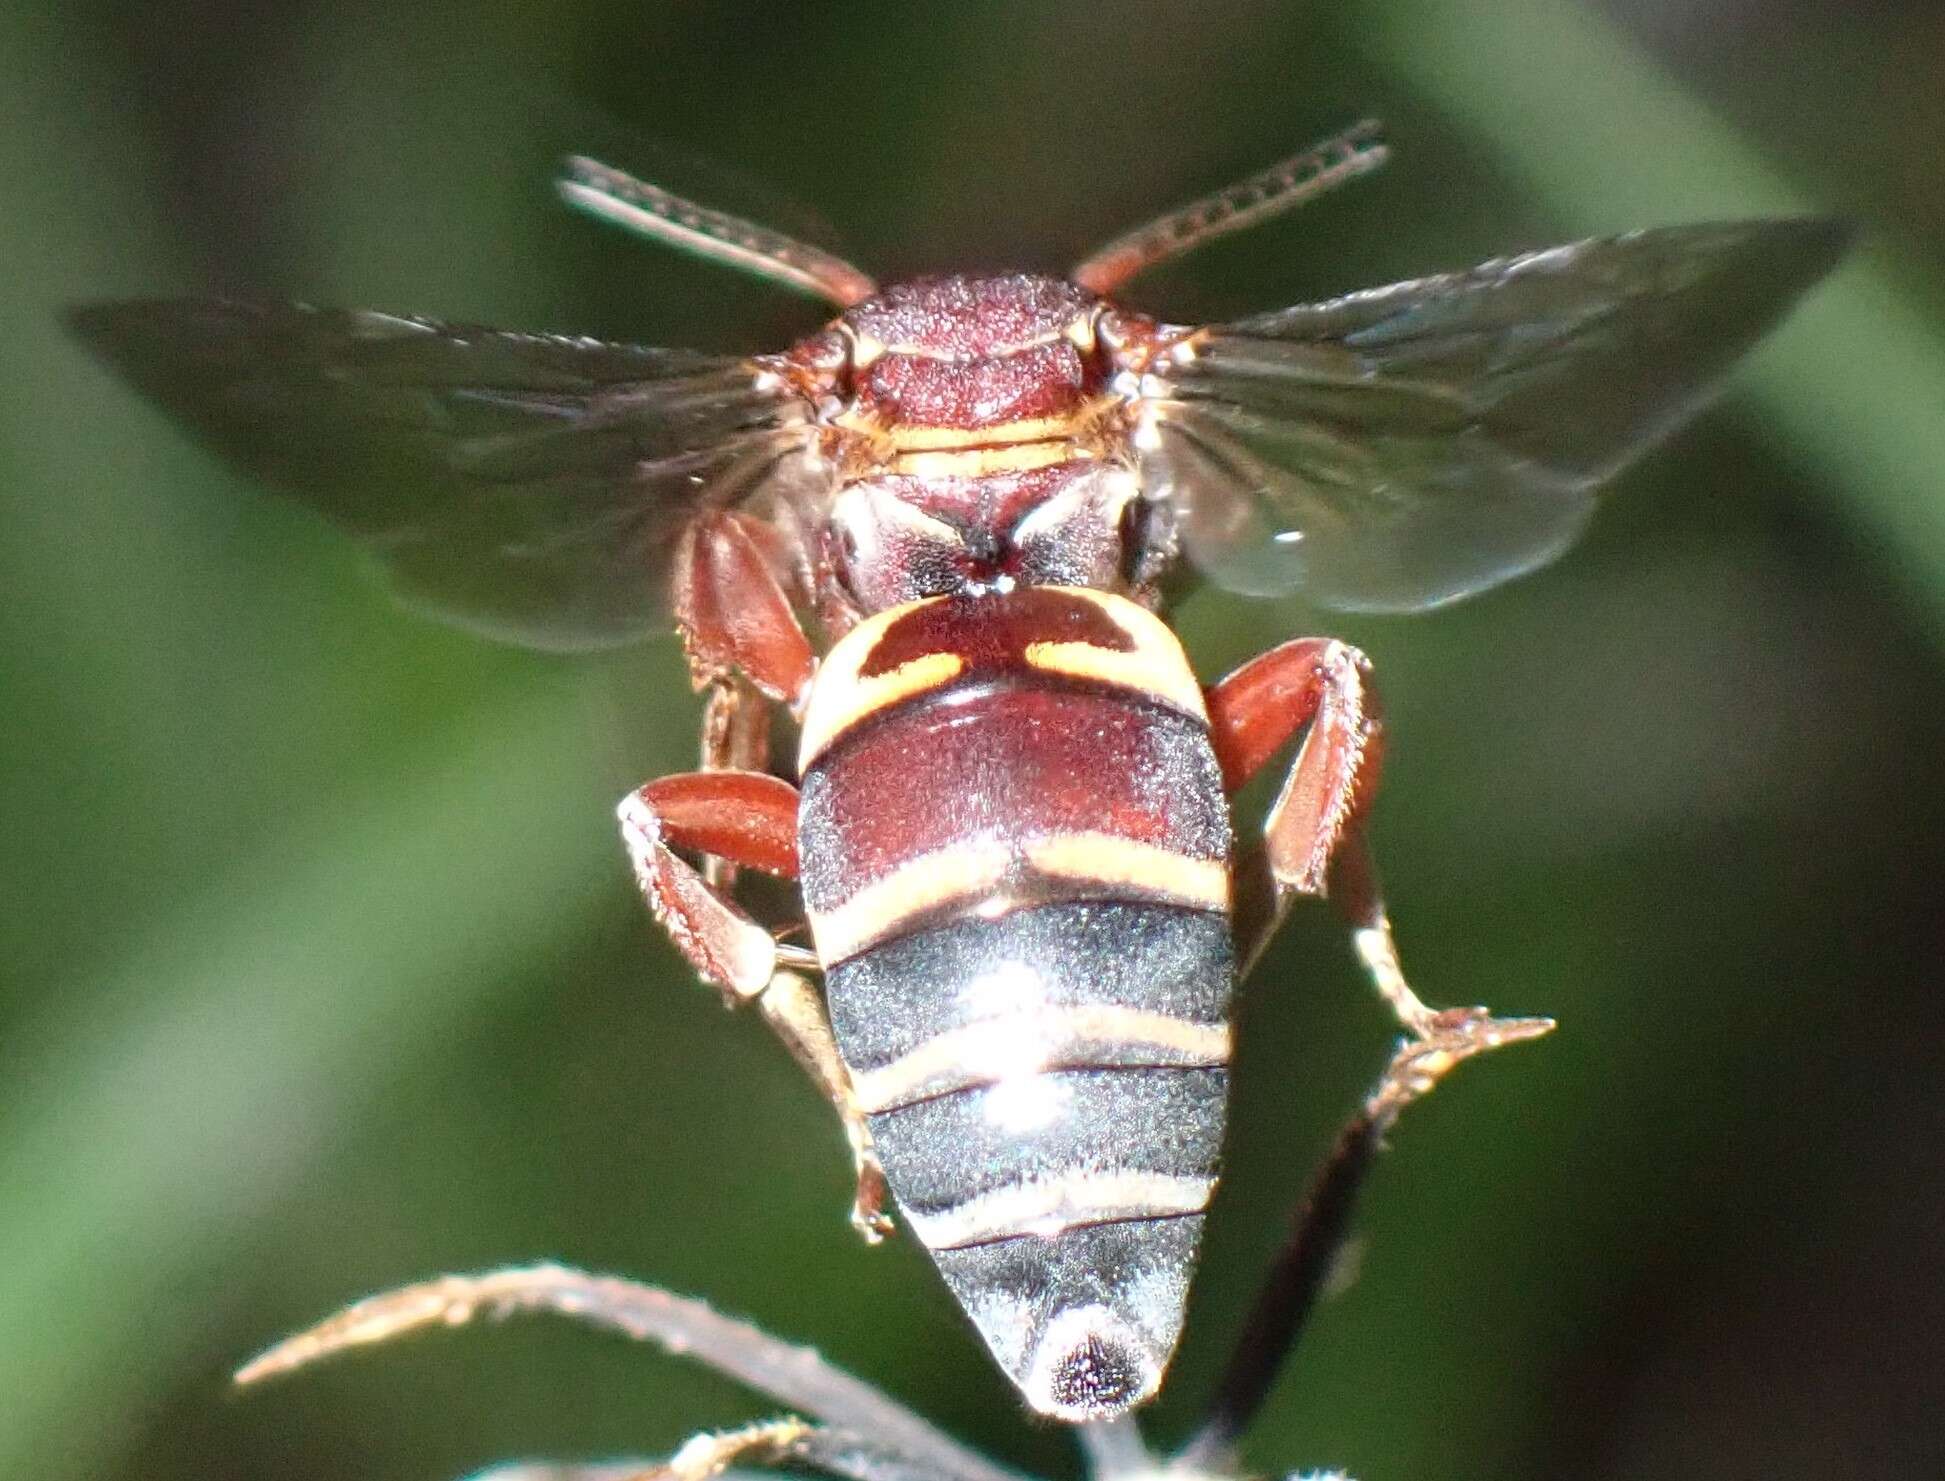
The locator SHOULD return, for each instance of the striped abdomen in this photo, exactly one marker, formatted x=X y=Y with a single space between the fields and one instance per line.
x=1015 y=852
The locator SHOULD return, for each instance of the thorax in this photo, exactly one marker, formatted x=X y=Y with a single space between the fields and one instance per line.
x=976 y=440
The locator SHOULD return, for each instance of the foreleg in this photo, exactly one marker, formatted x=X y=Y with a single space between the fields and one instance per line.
x=745 y=647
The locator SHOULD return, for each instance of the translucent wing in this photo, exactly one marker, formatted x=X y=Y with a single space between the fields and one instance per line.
x=1402 y=447
x=527 y=486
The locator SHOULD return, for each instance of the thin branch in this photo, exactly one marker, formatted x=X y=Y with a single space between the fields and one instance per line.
x=779 y=1444
x=792 y=1375
x=553 y=1470
x=1287 y=1297
x=1114 y=1448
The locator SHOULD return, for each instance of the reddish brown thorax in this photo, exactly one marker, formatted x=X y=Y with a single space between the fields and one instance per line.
x=965 y=357
x=978 y=438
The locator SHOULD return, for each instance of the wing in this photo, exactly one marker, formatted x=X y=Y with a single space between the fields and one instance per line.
x=1400 y=448
x=528 y=486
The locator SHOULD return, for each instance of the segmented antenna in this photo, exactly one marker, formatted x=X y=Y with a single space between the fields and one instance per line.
x=651 y=211
x=1357 y=151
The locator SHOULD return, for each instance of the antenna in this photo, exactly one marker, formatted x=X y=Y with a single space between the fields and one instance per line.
x=1357 y=151
x=650 y=211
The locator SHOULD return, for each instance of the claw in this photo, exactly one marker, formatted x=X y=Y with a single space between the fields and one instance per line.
x=1442 y=1041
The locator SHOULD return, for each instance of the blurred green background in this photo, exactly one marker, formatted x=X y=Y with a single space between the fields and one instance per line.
x=319 y=968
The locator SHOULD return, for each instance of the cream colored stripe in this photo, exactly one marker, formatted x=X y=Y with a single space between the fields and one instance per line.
x=1034 y=1039
x=978 y=867
x=976 y=462
x=1147 y=868
x=946 y=874
x=1059 y=1204
x=910 y=439
x=1142 y=671
x=838 y=703
x=1156 y=666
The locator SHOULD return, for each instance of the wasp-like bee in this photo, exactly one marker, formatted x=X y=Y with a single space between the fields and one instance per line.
x=1009 y=818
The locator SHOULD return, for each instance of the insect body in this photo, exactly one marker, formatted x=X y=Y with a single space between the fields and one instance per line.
x=1010 y=824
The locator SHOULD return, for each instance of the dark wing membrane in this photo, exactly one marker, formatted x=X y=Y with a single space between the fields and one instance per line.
x=1402 y=447
x=527 y=486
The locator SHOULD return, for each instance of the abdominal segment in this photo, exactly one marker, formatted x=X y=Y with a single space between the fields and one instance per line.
x=1017 y=877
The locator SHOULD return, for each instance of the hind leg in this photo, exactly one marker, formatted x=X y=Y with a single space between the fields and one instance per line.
x=1314 y=844
x=1313 y=839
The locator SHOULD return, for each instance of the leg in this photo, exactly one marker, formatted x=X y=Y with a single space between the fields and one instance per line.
x=795 y=1010
x=771 y=1445
x=787 y=1444
x=748 y=819
x=735 y=726
x=1303 y=1267
x=1314 y=845
x=767 y=1447
x=735 y=737
x=1313 y=839
x=733 y=608
x=742 y=816
x=1254 y=713
x=744 y=644
x=768 y=1443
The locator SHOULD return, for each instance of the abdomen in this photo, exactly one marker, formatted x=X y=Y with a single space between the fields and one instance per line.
x=1015 y=854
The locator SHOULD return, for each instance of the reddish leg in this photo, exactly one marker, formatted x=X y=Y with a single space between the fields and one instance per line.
x=743 y=641
x=744 y=818
x=733 y=607
x=1313 y=839
x=1313 y=844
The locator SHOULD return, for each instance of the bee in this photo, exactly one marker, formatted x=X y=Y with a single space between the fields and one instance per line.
x=1008 y=816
